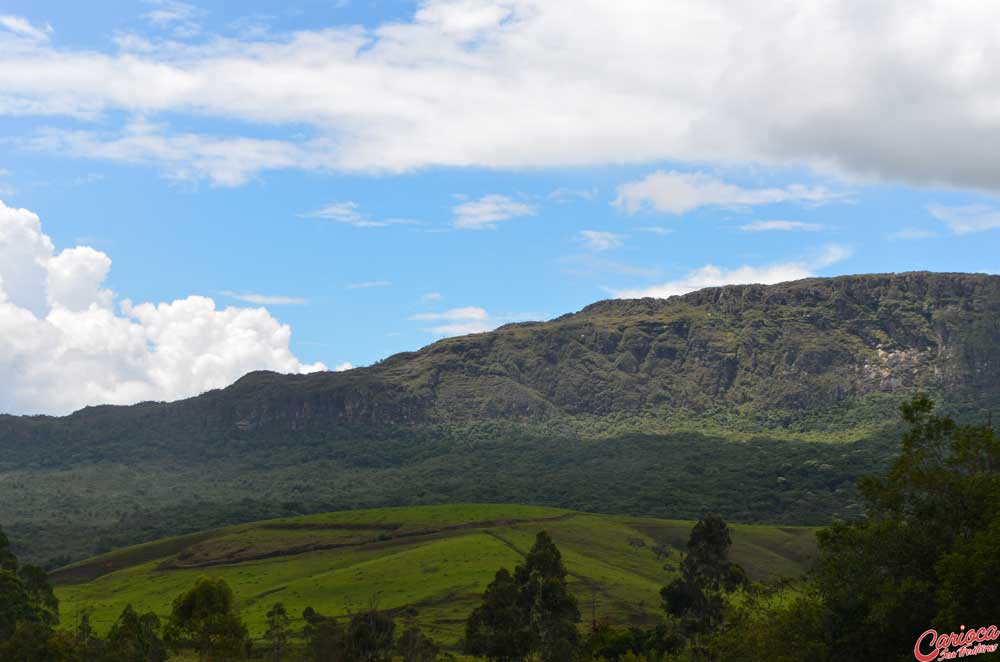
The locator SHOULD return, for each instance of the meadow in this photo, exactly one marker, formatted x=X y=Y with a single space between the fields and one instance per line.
x=427 y=565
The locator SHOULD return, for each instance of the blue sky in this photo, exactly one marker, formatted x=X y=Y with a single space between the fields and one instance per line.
x=381 y=174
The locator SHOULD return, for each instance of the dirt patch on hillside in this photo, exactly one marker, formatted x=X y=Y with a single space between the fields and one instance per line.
x=384 y=535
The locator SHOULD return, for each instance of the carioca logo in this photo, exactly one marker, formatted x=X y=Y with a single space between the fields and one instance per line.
x=967 y=642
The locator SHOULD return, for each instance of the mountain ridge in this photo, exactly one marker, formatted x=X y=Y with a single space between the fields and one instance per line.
x=638 y=336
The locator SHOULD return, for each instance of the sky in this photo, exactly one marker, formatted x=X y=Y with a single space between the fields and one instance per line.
x=190 y=191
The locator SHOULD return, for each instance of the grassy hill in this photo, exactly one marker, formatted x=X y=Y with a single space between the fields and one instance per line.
x=427 y=564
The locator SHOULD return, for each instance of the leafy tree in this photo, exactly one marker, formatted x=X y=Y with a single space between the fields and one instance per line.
x=415 y=646
x=91 y=646
x=277 y=631
x=913 y=561
x=370 y=636
x=28 y=610
x=498 y=629
x=40 y=594
x=8 y=561
x=326 y=640
x=771 y=625
x=531 y=611
x=136 y=638
x=552 y=610
x=37 y=642
x=697 y=596
x=604 y=642
x=205 y=617
x=84 y=630
x=969 y=577
x=15 y=605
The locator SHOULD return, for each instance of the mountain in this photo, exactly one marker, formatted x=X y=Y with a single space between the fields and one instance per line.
x=761 y=402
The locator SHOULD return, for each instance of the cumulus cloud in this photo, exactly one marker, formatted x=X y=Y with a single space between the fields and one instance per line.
x=596 y=240
x=489 y=210
x=713 y=276
x=341 y=367
x=967 y=219
x=680 y=192
x=63 y=345
x=530 y=83
x=781 y=226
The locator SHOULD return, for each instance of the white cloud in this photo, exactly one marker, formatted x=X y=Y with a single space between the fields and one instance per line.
x=349 y=213
x=967 y=219
x=5 y=189
x=530 y=83
x=596 y=240
x=184 y=157
x=656 y=230
x=63 y=345
x=265 y=299
x=369 y=284
x=567 y=194
x=912 y=234
x=177 y=16
x=489 y=210
x=428 y=297
x=341 y=367
x=23 y=27
x=466 y=313
x=713 y=276
x=680 y=192
x=781 y=226
x=458 y=321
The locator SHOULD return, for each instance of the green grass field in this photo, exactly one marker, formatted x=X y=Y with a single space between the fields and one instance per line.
x=426 y=564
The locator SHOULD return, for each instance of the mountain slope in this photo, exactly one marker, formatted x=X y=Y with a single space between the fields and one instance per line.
x=650 y=406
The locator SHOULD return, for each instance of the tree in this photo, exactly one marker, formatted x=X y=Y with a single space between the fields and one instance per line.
x=928 y=534
x=415 y=646
x=37 y=642
x=40 y=594
x=499 y=629
x=28 y=610
x=277 y=631
x=697 y=596
x=205 y=617
x=531 y=611
x=552 y=610
x=370 y=636
x=326 y=640
x=91 y=646
x=14 y=604
x=135 y=638
x=8 y=561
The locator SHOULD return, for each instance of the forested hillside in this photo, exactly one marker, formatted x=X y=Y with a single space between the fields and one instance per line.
x=763 y=403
